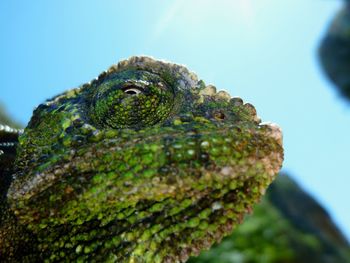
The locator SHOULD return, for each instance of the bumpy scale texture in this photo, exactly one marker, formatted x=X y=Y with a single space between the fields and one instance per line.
x=143 y=164
x=334 y=51
x=287 y=226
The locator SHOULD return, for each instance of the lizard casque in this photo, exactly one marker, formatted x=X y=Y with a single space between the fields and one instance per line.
x=143 y=164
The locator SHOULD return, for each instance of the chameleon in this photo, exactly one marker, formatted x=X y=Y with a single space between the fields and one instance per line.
x=334 y=51
x=145 y=163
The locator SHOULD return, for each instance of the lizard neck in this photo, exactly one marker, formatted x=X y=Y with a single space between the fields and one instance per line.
x=16 y=243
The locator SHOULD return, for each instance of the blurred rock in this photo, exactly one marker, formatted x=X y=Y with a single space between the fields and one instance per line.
x=5 y=158
x=334 y=51
x=5 y=119
x=288 y=226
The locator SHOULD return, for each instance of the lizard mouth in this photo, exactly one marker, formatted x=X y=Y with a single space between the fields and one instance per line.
x=151 y=168
x=159 y=195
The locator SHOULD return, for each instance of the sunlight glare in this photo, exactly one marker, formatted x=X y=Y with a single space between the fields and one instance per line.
x=196 y=13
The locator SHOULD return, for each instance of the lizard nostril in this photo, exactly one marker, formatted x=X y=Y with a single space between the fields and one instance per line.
x=219 y=115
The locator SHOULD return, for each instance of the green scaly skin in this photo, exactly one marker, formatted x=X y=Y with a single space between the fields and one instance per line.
x=143 y=164
x=287 y=226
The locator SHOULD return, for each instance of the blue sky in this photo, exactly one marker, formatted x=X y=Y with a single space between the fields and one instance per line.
x=261 y=50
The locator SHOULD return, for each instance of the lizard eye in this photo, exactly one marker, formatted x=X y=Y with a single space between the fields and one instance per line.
x=132 y=90
x=131 y=99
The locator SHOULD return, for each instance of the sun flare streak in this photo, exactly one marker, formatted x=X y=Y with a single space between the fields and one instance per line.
x=199 y=13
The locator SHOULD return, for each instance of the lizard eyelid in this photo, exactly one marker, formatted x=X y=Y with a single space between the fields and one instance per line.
x=133 y=90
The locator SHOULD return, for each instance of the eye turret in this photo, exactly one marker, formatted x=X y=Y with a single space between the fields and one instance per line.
x=131 y=99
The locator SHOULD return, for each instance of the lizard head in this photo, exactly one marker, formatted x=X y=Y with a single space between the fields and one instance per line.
x=144 y=163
